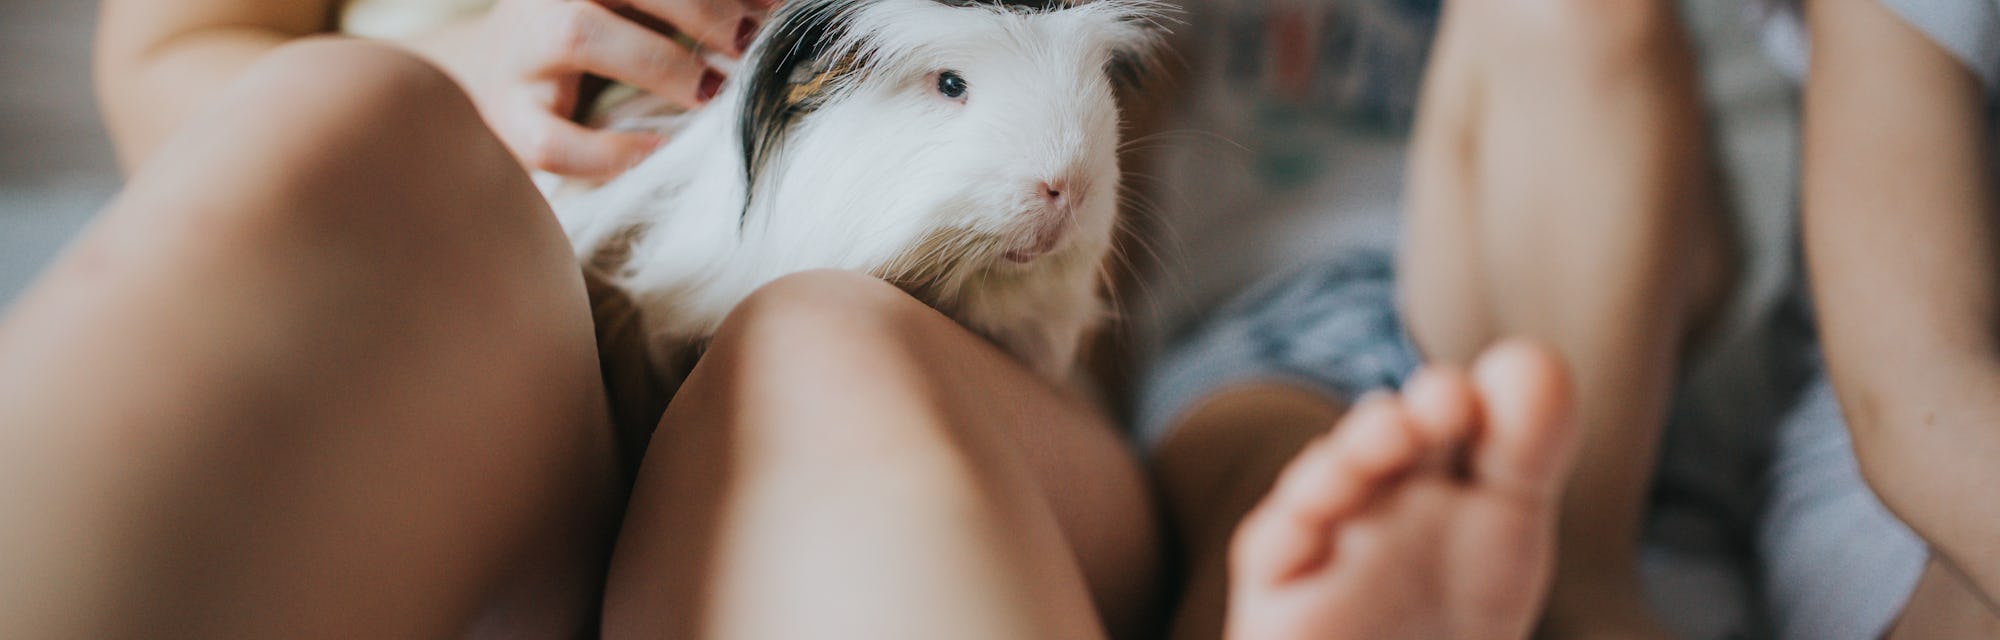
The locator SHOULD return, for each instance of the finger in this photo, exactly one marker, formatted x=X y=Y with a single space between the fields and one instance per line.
x=723 y=26
x=590 y=39
x=565 y=148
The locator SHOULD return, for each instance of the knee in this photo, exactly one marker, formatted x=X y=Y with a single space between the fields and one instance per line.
x=842 y=316
x=337 y=82
x=352 y=172
x=828 y=292
x=363 y=152
x=379 y=131
x=829 y=362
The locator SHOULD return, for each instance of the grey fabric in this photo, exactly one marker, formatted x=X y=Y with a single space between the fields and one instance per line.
x=1970 y=29
x=1836 y=564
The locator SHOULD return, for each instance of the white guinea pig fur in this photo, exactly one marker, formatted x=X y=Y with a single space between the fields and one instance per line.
x=839 y=144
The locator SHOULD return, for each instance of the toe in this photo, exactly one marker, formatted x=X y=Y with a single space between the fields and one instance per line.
x=1524 y=392
x=1290 y=531
x=1442 y=407
x=1376 y=439
x=1285 y=534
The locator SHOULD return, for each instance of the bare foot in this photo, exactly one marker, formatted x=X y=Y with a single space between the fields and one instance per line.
x=1430 y=515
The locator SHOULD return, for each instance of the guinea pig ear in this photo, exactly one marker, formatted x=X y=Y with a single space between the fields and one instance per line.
x=1133 y=71
x=795 y=69
x=1137 y=40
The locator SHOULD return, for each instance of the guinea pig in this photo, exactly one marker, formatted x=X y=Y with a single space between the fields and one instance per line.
x=964 y=150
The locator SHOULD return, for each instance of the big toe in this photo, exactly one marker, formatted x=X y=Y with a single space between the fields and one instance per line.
x=1528 y=435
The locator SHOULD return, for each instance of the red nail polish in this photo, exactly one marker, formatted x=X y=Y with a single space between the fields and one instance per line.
x=745 y=32
x=711 y=83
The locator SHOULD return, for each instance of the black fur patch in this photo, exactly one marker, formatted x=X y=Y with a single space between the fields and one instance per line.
x=793 y=56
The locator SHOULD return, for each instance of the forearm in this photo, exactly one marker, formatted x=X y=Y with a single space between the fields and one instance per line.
x=1929 y=453
x=1900 y=238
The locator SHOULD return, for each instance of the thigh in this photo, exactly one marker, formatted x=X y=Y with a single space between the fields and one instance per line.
x=847 y=462
x=324 y=369
x=1945 y=604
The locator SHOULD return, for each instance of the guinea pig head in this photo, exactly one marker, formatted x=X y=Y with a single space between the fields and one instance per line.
x=933 y=141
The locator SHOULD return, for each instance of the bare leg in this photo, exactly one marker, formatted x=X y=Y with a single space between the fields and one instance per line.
x=1218 y=464
x=847 y=463
x=1430 y=515
x=1558 y=191
x=1946 y=604
x=325 y=369
x=1518 y=225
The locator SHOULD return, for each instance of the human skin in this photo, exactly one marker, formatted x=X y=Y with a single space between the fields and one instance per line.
x=1425 y=514
x=523 y=63
x=300 y=382
x=1900 y=225
x=1519 y=226
x=1566 y=136
x=1013 y=599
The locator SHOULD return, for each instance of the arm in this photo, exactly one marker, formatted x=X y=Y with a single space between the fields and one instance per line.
x=1900 y=233
x=158 y=62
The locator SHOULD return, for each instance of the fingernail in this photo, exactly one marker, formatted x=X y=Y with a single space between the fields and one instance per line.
x=745 y=32
x=711 y=83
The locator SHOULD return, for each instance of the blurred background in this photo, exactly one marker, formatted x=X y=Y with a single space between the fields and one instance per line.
x=56 y=166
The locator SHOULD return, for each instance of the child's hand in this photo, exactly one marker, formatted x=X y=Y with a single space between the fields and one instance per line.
x=523 y=64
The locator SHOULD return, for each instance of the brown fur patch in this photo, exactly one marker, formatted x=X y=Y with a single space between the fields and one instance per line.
x=610 y=257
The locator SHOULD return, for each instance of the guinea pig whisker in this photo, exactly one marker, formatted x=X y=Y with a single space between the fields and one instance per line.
x=1133 y=238
x=1185 y=136
x=937 y=268
x=1137 y=203
x=1158 y=184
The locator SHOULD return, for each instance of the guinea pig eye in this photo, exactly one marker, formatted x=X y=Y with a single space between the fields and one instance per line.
x=951 y=84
